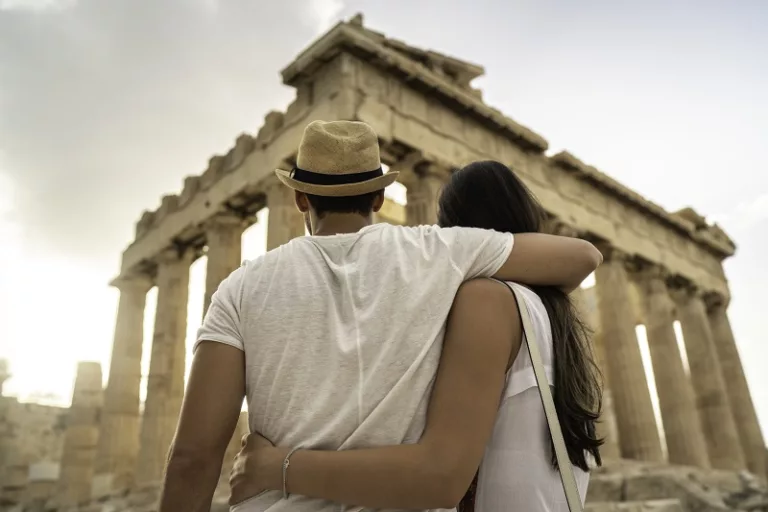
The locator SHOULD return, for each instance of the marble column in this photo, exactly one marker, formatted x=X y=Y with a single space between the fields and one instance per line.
x=585 y=303
x=285 y=222
x=81 y=437
x=224 y=239
x=638 y=433
x=717 y=422
x=165 y=385
x=736 y=386
x=682 y=428
x=119 y=437
x=423 y=186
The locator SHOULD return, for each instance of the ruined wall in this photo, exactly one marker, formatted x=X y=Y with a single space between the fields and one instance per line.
x=30 y=434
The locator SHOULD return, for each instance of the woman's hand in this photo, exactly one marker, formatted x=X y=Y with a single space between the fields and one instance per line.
x=257 y=469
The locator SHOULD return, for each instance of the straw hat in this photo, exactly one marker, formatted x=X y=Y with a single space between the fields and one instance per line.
x=337 y=159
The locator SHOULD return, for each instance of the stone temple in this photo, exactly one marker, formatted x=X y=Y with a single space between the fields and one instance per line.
x=106 y=452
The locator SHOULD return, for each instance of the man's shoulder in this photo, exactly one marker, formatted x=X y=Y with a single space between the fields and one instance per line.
x=247 y=268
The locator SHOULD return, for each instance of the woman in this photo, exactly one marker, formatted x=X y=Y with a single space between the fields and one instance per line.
x=518 y=470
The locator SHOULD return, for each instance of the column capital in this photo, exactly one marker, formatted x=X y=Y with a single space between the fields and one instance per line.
x=428 y=168
x=715 y=300
x=417 y=168
x=223 y=220
x=560 y=228
x=132 y=282
x=611 y=253
x=171 y=255
x=651 y=277
x=683 y=291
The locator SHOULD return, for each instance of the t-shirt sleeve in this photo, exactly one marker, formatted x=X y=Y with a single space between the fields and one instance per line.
x=222 y=320
x=476 y=252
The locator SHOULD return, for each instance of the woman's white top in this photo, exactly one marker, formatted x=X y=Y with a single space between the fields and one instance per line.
x=516 y=472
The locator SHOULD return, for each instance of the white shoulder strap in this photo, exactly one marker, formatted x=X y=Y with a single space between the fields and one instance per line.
x=563 y=460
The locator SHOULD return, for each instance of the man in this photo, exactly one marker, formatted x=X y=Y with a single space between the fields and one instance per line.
x=335 y=338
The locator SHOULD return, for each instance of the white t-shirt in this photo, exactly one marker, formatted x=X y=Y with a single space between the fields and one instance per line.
x=342 y=334
x=516 y=472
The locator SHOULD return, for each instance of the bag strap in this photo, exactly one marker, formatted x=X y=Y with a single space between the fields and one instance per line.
x=561 y=453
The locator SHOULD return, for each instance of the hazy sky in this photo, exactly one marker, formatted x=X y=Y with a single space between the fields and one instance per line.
x=105 y=105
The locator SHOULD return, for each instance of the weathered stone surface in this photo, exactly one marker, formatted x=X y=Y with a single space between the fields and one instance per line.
x=81 y=438
x=637 y=506
x=119 y=439
x=725 y=450
x=165 y=385
x=607 y=429
x=605 y=488
x=638 y=433
x=696 y=489
x=735 y=381
x=284 y=222
x=224 y=240
x=685 y=441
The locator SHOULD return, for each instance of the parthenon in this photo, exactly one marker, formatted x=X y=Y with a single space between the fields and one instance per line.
x=660 y=267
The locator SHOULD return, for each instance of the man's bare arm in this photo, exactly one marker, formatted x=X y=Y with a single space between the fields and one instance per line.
x=549 y=260
x=482 y=336
x=209 y=415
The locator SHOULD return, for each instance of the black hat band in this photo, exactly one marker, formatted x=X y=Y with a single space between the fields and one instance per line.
x=314 y=178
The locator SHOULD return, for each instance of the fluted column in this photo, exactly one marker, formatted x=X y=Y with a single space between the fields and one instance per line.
x=606 y=426
x=682 y=428
x=711 y=397
x=638 y=433
x=423 y=186
x=224 y=239
x=585 y=302
x=81 y=437
x=165 y=386
x=119 y=437
x=736 y=386
x=285 y=221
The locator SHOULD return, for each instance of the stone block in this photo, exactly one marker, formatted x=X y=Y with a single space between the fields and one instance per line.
x=168 y=205
x=674 y=483
x=272 y=124
x=213 y=172
x=605 y=488
x=101 y=486
x=144 y=224
x=636 y=506
x=191 y=187
x=244 y=144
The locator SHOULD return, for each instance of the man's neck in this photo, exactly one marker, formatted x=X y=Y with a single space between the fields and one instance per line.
x=340 y=223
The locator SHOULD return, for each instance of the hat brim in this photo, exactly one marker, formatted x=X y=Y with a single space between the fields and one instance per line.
x=343 y=190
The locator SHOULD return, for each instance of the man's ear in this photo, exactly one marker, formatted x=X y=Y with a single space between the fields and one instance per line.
x=378 y=201
x=301 y=200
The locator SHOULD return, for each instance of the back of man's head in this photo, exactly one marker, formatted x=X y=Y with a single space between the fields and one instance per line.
x=363 y=204
x=338 y=170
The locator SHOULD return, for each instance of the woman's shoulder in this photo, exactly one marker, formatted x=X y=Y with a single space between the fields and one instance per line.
x=488 y=289
x=530 y=295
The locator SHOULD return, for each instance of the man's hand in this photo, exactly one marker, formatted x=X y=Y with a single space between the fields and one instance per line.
x=257 y=469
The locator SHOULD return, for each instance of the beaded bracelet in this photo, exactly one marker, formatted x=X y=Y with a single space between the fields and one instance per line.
x=286 y=463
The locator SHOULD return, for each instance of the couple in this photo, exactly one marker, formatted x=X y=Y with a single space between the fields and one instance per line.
x=378 y=372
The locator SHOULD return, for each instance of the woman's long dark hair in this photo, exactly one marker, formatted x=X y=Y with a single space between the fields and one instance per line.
x=488 y=195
